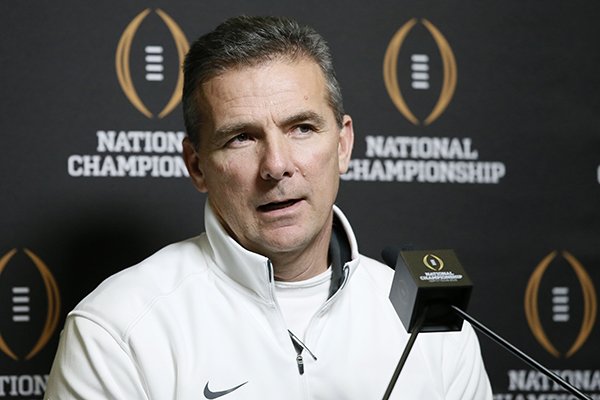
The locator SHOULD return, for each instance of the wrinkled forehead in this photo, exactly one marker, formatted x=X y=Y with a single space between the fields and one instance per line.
x=292 y=60
x=265 y=80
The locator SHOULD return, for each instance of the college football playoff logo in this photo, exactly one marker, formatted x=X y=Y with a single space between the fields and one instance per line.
x=152 y=62
x=20 y=309
x=433 y=262
x=419 y=75
x=560 y=294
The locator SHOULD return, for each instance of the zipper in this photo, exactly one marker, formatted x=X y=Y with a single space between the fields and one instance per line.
x=271 y=277
x=300 y=347
x=336 y=294
x=297 y=343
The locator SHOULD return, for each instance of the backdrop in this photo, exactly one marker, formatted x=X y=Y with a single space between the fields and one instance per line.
x=477 y=129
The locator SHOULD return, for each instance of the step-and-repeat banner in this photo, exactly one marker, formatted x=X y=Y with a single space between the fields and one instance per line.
x=478 y=129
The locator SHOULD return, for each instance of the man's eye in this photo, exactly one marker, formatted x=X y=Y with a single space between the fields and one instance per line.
x=241 y=138
x=305 y=129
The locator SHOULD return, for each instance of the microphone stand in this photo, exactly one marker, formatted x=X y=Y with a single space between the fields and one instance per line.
x=492 y=335
x=511 y=348
x=409 y=345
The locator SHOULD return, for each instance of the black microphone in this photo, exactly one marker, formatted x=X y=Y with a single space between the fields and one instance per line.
x=430 y=293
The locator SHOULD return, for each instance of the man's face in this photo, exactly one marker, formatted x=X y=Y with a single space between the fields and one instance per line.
x=270 y=155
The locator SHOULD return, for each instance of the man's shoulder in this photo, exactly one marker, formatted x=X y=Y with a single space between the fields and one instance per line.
x=125 y=296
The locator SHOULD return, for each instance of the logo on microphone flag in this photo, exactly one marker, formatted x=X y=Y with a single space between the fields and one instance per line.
x=433 y=262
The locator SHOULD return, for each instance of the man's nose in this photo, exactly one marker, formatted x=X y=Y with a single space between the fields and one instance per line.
x=277 y=159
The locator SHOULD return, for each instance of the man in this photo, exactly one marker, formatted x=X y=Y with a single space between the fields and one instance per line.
x=274 y=300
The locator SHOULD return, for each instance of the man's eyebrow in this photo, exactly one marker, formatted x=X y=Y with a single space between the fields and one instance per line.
x=229 y=129
x=304 y=116
x=312 y=117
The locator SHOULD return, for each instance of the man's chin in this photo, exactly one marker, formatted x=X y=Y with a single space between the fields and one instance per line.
x=281 y=241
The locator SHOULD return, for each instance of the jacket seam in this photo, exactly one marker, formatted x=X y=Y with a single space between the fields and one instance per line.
x=101 y=323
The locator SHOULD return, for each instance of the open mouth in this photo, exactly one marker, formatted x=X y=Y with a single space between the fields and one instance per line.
x=277 y=205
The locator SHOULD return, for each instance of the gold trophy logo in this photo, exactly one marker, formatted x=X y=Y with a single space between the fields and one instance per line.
x=433 y=262
x=589 y=303
x=390 y=71
x=122 y=62
x=53 y=304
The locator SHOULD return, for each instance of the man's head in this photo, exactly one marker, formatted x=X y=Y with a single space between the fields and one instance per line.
x=246 y=41
x=271 y=144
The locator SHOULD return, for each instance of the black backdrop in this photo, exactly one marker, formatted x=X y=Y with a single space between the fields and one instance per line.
x=506 y=170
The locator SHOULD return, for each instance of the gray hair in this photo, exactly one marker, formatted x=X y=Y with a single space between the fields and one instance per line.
x=249 y=41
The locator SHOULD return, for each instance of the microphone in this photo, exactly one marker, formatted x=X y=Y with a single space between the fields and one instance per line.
x=430 y=293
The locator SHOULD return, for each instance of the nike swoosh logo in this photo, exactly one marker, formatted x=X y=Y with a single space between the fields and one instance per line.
x=209 y=394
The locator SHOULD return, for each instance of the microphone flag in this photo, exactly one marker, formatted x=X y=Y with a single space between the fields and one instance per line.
x=428 y=281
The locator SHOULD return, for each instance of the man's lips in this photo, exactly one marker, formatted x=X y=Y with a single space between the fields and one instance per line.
x=277 y=205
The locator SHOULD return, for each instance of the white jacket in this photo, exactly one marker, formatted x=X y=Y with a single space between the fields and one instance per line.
x=199 y=318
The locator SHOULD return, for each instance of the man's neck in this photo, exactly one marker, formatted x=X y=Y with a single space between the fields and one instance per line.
x=290 y=267
x=299 y=270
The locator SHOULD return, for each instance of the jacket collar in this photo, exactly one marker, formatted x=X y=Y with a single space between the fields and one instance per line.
x=254 y=272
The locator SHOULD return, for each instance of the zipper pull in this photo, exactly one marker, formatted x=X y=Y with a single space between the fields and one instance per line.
x=299 y=346
x=300 y=362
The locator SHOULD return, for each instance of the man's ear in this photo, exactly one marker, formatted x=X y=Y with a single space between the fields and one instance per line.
x=345 y=144
x=192 y=162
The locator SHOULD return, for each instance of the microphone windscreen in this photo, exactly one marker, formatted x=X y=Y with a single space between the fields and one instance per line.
x=390 y=255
